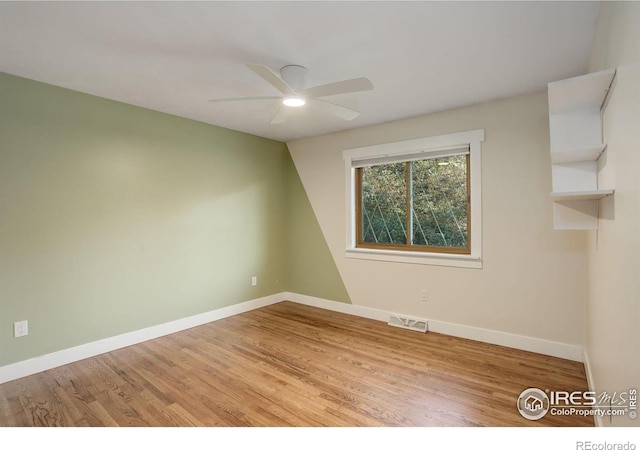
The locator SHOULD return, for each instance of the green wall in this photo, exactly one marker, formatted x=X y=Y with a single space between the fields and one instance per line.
x=114 y=218
x=311 y=269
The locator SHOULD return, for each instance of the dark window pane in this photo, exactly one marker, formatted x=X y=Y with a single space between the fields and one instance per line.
x=384 y=204
x=439 y=198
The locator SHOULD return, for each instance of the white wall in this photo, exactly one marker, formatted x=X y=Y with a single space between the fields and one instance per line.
x=533 y=280
x=613 y=305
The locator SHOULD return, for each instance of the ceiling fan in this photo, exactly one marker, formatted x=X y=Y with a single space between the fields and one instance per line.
x=291 y=83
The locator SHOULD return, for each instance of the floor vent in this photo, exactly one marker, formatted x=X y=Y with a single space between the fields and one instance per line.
x=409 y=324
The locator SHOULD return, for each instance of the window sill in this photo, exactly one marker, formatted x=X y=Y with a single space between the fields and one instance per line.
x=435 y=259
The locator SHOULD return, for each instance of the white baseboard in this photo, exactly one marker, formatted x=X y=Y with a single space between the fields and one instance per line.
x=67 y=356
x=545 y=347
x=520 y=342
x=591 y=382
x=346 y=308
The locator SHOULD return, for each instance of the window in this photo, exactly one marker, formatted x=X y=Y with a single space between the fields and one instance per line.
x=420 y=205
x=416 y=201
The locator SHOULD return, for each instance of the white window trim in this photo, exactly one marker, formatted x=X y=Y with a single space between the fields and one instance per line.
x=411 y=148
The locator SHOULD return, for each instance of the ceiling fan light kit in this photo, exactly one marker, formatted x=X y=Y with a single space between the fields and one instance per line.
x=294 y=101
x=291 y=83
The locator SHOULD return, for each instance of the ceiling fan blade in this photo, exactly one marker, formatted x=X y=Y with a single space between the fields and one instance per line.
x=337 y=110
x=339 y=87
x=240 y=99
x=272 y=78
x=281 y=116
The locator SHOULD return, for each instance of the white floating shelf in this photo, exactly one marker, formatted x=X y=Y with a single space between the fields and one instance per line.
x=583 y=92
x=576 y=143
x=581 y=195
x=577 y=155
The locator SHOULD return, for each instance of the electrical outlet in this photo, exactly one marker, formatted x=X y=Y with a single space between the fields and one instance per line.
x=254 y=281
x=20 y=328
x=424 y=296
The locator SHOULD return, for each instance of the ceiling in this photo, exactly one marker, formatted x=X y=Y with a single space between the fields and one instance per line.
x=421 y=57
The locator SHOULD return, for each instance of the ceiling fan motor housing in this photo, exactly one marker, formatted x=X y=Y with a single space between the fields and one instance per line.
x=295 y=76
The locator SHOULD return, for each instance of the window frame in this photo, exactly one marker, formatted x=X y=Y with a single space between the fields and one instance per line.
x=416 y=149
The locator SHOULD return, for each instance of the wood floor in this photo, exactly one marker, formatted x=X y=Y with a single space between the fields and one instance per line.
x=293 y=365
